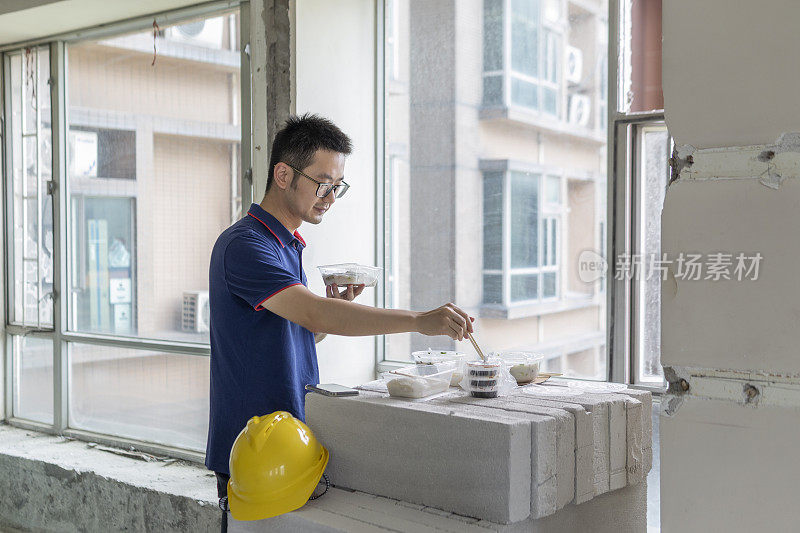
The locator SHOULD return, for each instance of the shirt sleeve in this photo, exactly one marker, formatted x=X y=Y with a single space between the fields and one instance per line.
x=254 y=271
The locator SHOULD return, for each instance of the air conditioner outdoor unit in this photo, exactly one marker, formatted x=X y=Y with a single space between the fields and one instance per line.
x=196 y=311
x=205 y=33
x=579 y=109
x=574 y=70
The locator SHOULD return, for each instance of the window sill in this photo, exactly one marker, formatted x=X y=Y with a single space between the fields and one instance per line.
x=540 y=121
x=538 y=309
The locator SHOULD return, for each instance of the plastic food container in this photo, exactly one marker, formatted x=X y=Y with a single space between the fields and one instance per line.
x=350 y=274
x=429 y=357
x=483 y=378
x=419 y=381
x=524 y=366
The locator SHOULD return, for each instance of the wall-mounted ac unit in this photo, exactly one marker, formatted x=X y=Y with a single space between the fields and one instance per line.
x=196 y=311
x=579 y=109
x=205 y=33
x=82 y=148
x=574 y=67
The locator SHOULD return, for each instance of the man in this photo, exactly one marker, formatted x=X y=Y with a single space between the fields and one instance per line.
x=263 y=317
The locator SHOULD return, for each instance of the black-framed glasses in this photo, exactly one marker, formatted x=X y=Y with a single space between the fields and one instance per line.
x=324 y=189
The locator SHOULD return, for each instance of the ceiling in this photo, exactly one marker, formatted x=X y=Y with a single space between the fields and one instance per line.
x=24 y=20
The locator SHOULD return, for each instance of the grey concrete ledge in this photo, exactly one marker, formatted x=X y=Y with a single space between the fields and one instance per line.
x=51 y=483
x=55 y=484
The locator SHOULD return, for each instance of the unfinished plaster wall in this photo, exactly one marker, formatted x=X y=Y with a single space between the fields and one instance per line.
x=729 y=347
x=730 y=71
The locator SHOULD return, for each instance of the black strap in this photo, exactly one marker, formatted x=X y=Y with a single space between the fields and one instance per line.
x=223 y=504
x=327 y=486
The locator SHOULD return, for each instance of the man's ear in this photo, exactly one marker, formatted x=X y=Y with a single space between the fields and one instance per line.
x=282 y=175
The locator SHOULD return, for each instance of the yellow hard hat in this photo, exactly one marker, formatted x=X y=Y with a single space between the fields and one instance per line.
x=276 y=462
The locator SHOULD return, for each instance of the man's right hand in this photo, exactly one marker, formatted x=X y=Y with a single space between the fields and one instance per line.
x=447 y=320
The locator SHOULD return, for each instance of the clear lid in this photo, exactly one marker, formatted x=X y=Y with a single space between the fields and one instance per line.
x=513 y=358
x=427 y=357
x=350 y=274
x=490 y=364
x=442 y=370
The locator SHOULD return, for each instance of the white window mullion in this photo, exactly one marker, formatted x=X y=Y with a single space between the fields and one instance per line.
x=506 y=52
x=506 y=224
x=39 y=242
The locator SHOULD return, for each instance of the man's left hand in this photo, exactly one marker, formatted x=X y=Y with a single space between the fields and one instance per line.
x=349 y=294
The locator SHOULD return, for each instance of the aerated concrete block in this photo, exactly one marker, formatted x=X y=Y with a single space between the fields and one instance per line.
x=471 y=464
x=625 y=425
x=599 y=412
x=544 y=444
x=634 y=428
x=646 y=398
x=552 y=452
x=584 y=441
x=584 y=438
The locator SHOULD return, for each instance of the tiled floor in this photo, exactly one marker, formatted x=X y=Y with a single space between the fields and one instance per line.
x=654 y=477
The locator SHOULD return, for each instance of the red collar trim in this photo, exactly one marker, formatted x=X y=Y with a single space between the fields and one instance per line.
x=265 y=225
x=299 y=238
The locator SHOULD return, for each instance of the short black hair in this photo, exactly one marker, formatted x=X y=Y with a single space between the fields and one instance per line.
x=301 y=137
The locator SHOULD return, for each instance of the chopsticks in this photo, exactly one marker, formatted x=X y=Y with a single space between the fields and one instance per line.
x=475 y=345
x=398 y=373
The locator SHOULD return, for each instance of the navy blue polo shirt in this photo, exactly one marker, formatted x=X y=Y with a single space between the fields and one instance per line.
x=260 y=362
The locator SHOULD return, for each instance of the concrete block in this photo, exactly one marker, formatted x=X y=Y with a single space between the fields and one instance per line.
x=584 y=440
x=646 y=398
x=473 y=465
x=634 y=436
x=565 y=441
x=552 y=450
x=628 y=425
x=601 y=463
x=544 y=444
x=618 y=433
x=618 y=441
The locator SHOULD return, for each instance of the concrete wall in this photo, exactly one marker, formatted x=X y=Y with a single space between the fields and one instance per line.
x=739 y=62
x=339 y=82
x=729 y=347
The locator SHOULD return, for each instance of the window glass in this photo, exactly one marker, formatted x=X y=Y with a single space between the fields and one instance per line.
x=654 y=154
x=524 y=93
x=524 y=220
x=492 y=288
x=552 y=192
x=525 y=37
x=493 y=221
x=31 y=207
x=140 y=394
x=32 y=362
x=492 y=91
x=549 y=285
x=493 y=30
x=551 y=57
x=153 y=171
x=495 y=207
x=524 y=287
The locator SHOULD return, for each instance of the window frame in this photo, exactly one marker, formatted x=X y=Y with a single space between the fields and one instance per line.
x=547 y=32
x=8 y=191
x=622 y=227
x=617 y=224
x=61 y=334
x=545 y=211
